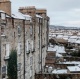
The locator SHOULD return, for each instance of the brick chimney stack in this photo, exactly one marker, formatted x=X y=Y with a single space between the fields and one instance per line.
x=31 y=10
x=41 y=12
x=5 y=5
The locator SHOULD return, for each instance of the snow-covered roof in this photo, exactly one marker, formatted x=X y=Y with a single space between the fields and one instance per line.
x=78 y=33
x=71 y=40
x=73 y=68
x=60 y=36
x=73 y=37
x=38 y=16
x=2 y=11
x=51 y=49
x=58 y=55
x=19 y=15
x=52 y=35
x=59 y=49
x=71 y=62
x=77 y=41
x=59 y=71
x=65 y=38
x=73 y=49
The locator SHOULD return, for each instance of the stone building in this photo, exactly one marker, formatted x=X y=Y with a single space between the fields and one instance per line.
x=27 y=32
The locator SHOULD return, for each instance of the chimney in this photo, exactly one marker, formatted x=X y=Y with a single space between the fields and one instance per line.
x=31 y=10
x=41 y=12
x=5 y=5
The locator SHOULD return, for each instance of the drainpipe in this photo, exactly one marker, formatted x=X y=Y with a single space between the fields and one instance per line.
x=41 y=43
x=0 y=48
x=24 y=44
x=47 y=33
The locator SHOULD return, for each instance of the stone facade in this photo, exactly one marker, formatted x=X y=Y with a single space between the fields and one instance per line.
x=28 y=37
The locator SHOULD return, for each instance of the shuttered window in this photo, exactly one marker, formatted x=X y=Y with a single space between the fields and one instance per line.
x=7 y=49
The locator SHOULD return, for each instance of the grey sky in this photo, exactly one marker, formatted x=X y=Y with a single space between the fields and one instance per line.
x=61 y=12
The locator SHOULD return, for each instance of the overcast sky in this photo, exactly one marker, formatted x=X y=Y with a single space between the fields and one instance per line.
x=61 y=12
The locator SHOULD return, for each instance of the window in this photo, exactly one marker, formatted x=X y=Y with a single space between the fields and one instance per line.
x=31 y=30
x=19 y=30
x=32 y=45
x=30 y=67
x=29 y=45
x=31 y=60
x=19 y=48
x=2 y=30
x=30 y=74
x=19 y=66
x=31 y=77
x=7 y=49
x=27 y=48
x=14 y=34
x=3 y=16
x=4 y=70
x=13 y=22
x=38 y=20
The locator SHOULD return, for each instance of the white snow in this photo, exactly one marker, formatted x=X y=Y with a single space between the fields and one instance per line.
x=59 y=50
x=19 y=15
x=59 y=71
x=71 y=62
x=38 y=16
x=77 y=41
x=70 y=38
x=60 y=36
x=73 y=68
x=58 y=55
x=51 y=49
x=2 y=11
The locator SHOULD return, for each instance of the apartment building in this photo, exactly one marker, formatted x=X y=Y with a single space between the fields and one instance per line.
x=27 y=32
